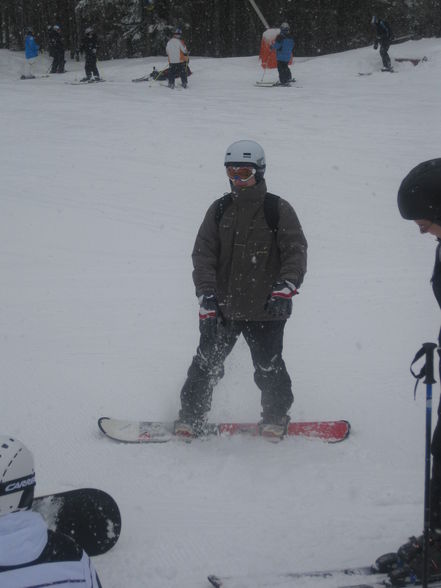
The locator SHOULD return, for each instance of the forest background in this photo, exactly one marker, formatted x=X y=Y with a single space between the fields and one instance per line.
x=214 y=28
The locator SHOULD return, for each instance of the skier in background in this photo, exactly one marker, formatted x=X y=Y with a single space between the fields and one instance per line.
x=419 y=199
x=30 y=553
x=31 y=54
x=177 y=54
x=284 y=46
x=246 y=272
x=383 y=37
x=58 y=50
x=51 y=34
x=89 y=48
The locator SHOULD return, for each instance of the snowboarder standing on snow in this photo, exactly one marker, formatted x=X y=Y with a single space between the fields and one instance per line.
x=249 y=259
x=31 y=54
x=30 y=553
x=177 y=54
x=89 y=47
x=383 y=37
x=419 y=199
x=284 y=46
x=58 y=50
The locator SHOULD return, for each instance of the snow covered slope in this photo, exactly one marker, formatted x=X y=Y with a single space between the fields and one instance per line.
x=103 y=189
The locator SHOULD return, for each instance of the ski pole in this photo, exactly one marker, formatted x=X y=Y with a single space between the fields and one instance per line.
x=427 y=350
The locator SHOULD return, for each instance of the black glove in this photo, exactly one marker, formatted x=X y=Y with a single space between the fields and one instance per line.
x=279 y=303
x=208 y=314
x=375 y=46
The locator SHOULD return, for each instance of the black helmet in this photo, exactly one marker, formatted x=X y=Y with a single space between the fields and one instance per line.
x=419 y=195
x=284 y=28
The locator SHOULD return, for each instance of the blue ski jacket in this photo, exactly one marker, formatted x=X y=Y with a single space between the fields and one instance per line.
x=31 y=47
x=284 y=47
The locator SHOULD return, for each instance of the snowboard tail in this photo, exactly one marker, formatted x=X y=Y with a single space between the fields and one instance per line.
x=89 y=516
x=161 y=432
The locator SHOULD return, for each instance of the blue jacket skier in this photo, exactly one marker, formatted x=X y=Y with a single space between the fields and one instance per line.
x=284 y=46
x=31 y=54
x=31 y=47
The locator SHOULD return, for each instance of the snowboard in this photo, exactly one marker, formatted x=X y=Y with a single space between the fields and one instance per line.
x=90 y=516
x=369 y=73
x=161 y=432
x=413 y=61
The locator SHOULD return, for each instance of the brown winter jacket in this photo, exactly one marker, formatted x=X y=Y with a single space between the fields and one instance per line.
x=240 y=258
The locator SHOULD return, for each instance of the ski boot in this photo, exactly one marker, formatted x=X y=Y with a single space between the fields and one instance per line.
x=273 y=428
x=189 y=428
x=410 y=561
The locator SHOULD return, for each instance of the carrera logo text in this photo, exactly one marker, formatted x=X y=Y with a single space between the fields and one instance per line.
x=15 y=486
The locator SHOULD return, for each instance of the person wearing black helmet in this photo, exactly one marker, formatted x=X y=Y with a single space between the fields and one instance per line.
x=177 y=54
x=419 y=200
x=30 y=553
x=383 y=37
x=89 y=47
x=284 y=46
x=249 y=261
x=58 y=51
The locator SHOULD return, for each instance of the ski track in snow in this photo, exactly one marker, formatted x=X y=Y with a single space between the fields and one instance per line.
x=103 y=190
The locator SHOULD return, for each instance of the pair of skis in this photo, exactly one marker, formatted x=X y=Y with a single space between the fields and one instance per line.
x=357 y=577
x=291 y=83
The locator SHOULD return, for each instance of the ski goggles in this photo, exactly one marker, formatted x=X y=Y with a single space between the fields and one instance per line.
x=242 y=172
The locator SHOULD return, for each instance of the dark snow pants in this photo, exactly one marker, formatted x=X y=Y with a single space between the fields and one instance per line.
x=177 y=70
x=284 y=72
x=90 y=66
x=58 y=61
x=384 y=48
x=265 y=340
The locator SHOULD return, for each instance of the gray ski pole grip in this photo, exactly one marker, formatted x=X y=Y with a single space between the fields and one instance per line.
x=429 y=349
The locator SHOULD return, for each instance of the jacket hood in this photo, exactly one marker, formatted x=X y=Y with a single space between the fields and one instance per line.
x=23 y=536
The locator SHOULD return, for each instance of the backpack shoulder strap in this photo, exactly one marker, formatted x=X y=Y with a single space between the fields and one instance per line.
x=222 y=204
x=271 y=211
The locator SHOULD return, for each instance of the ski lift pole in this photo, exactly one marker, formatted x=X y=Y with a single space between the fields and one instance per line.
x=259 y=14
x=427 y=350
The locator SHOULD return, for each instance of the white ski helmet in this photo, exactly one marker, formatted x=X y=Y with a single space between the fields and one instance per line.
x=246 y=151
x=17 y=476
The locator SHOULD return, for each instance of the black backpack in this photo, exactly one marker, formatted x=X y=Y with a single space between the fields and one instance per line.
x=270 y=209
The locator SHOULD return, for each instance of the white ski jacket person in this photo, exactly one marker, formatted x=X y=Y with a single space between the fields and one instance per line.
x=176 y=51
x=31 y=555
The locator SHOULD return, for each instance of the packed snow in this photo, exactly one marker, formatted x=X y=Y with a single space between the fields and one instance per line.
x=104 y=187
